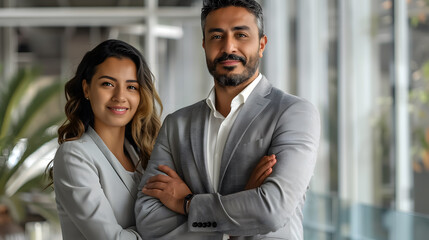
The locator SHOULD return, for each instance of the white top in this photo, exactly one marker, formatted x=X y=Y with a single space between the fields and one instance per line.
x=219 y=128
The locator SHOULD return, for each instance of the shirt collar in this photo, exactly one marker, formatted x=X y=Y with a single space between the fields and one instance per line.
x=237 y=100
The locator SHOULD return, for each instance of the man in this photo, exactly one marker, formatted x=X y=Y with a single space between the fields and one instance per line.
x=214 y=145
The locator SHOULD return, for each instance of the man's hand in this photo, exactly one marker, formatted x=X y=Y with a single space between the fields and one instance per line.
x=261 y=172
x=170 y=190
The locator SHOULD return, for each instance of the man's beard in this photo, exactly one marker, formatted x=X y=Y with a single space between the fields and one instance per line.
x=228 y=79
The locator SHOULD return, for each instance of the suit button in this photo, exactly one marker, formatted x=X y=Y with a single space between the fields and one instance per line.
x=204 y=224
x=214 y=224
x=200 y=224
x=209 y=224
x=194 y=224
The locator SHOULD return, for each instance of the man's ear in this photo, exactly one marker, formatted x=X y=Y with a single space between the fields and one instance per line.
x=204 y=45
x=262 y=43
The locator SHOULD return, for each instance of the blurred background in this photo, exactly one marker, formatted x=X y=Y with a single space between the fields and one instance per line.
x=363 y=63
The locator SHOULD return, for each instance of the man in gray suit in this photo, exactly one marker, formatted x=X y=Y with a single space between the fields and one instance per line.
x=195 y=184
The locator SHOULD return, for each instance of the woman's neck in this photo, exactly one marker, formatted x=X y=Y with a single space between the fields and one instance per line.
x=114 y=139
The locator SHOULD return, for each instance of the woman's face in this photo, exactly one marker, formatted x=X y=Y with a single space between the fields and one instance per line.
x=113 y=93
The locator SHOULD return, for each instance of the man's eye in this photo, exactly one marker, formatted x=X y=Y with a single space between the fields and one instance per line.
x=216 y=37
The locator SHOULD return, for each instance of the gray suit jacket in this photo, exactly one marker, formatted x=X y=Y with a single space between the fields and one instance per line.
x=270 y=122
x=95 y=195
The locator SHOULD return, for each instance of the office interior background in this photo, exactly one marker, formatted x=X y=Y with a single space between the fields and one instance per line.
x=363 y=63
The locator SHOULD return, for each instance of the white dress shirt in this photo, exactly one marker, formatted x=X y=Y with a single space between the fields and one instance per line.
x=219 y=128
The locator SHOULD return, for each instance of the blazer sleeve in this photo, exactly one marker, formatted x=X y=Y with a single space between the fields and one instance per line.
x=269 y=207
x=153 y=219
x=78 y=190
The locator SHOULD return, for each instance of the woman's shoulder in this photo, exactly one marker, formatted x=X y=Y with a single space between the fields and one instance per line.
x=82 y=148
x=82 y=143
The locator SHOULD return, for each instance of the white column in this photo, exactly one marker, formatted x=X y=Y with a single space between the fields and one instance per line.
x=8 y=53
x=403 y=162
x=276 y=63
x=403 y=226
x=313 y=82
x=8 y=49
x=356 y=102
x=151 y=46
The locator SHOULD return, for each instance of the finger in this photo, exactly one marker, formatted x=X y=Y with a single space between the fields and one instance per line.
x=159 y=178
x=264 y=176
x=167 y=170
x=152 y=192
x=267 y=165
x=264 y=160
x=156 y=185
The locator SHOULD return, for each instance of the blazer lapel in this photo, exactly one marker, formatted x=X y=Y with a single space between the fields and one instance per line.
x=250 y=110
x=126 y=179
x=198 y=133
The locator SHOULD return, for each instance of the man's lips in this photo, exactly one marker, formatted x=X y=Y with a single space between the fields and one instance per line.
x=230 y=62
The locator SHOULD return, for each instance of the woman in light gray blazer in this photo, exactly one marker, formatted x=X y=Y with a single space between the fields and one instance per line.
x=105 y=143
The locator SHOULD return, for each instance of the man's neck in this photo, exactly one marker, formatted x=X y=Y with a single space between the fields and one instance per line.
x=225 y=94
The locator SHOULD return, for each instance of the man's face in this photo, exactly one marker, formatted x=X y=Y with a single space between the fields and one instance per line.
x=232 y=45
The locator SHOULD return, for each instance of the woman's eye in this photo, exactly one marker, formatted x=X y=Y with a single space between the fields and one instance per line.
x=132 y=87
x=107 y=84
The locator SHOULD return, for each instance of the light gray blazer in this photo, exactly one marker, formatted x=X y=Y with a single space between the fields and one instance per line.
x=95 y=195
x=269 y=122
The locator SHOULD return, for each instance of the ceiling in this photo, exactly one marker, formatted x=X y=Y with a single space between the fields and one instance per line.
x=93 y=3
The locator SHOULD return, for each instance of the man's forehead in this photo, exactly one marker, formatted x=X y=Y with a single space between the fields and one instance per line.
x=232 y=17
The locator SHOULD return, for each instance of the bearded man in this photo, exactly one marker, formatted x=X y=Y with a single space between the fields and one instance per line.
x=237 y=164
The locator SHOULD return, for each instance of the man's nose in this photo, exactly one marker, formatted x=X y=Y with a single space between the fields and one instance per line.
x=229 y=45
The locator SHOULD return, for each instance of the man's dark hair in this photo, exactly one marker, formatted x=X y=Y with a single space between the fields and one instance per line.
x=250 y=5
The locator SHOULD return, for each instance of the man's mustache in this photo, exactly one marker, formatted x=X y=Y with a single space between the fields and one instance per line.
x=226 y=56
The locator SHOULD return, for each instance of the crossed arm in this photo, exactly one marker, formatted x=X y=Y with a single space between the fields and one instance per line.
x=171 y=190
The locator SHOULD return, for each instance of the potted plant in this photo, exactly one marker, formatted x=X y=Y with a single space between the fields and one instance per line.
x=26 y=135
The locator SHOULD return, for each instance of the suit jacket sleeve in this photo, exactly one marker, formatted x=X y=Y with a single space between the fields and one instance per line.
x=153 y=219
x=77 y=188
x=269 y=207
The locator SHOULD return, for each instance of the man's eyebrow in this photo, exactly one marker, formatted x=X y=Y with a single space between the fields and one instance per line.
x=114 y=79
x=211 y=30
x=244 y=27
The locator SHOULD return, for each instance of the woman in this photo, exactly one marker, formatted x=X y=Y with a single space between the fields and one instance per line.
x=105 y=143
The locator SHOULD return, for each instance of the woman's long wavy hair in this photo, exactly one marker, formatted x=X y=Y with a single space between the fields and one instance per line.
x=143 y=129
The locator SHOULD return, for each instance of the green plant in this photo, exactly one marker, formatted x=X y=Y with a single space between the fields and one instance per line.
x=419 y=99
x=24 y=129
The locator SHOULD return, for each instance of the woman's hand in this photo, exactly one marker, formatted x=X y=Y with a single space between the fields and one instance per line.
x=170 y=189
x=261 y=172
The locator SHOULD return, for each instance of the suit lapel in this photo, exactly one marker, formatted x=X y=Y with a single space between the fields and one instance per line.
x=198 y=133
x=126 y=179
x=250 y=110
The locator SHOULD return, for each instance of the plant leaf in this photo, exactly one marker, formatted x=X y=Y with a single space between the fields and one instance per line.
x=36 y=106
x=14 y=97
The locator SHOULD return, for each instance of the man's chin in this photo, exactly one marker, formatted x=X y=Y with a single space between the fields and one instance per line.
x=230 y=80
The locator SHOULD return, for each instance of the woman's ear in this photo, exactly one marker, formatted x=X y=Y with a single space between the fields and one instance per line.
x=85 y=88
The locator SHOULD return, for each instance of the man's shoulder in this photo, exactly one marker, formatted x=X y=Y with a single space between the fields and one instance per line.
x=186 y=111
x=276 y=95
x=283 y=98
